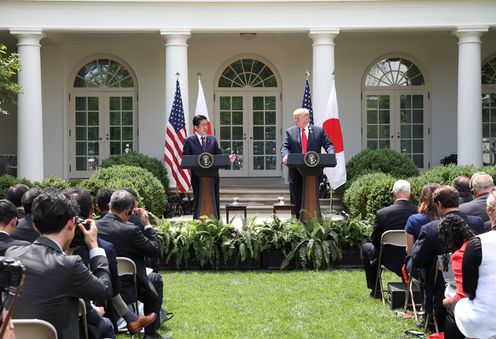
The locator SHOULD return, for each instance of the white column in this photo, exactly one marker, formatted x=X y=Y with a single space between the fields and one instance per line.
x=469 y=139
x=29 y=108
x=176 y=61
x=323 y=67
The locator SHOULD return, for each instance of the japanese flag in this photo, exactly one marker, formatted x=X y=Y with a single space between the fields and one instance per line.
x=201 y=106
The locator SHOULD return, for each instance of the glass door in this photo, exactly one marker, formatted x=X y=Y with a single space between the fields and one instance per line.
x=100 y=125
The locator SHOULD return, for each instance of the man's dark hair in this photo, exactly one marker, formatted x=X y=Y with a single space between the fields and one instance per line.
x=83 y=198
x=7 y=211
x=28 y=198
x=453 y=232
x=103 y=198
x=447 y=196
x=121 y=200
x=52 y=210
x=197 y=119
x=462 y=185
x=14 y=194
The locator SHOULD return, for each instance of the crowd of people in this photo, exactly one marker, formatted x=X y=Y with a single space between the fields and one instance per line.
x=451 y=229
x=68 y=256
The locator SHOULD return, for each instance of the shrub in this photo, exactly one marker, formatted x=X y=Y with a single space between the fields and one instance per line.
x=6 y=181
x=54 y=182
x=150 y=191
x=383 y=160
x=140 y=160
x=369 y=193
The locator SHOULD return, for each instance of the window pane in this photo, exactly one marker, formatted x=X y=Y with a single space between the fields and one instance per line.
x=270 y=133
x=418 y=101
x=418 y=131
x=384 y=101
x=115 y=103
x=115 y=133
x=406 y=131
x=372 y=101
x=127 y=118
x=238 y=147
x=258 y=163
x=93 y=118
x=372 y=144
x=372 y=131
x=93 y=133
x=258 y=103
x=406 y=146
x=383 y=144
x=372 y=117
x=127 y=133
x=225 y=118
x=270 y=118
x=225 y=133
x=93 y=103
x=93 y=148
x=418 y=146
x=81 y=118
x=80 y=148
x=418 y=160
x=237 y=118
x=270 y=147
x=258 y=118
x=418 y=116
x=258 y=147
x=237 y=133
x=485 y=131
x=127 y=103
x=384 y=117
x=270 y=163
x=80 y=163
x=115 y=118
x=115 y=148
x=270 y=103
x=383 y=131
x=405 y=116
x=225 y=103
x=258 y=133
x=80 y=103
x=80 y=133
x=237 y=103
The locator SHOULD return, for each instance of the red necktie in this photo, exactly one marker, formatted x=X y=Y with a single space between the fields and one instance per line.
x=203 y=145
x=304 y=141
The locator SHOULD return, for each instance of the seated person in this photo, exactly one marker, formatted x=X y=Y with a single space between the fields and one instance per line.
x=25 y=230
x=14 y=195
x=129 y=241
x=103 y=200
x=54 y=281
x=393 y=217
x=474 y=315
x=462 y=185
x=8 y=220
x=134 y=323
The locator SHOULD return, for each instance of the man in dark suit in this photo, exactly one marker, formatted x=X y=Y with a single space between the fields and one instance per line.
x=25 y=230
x=302 y=138
x=129 y=241
x=393 y=217
x=8 y=220
x=196 y=144
x=428 y=247
x=14 y=195
x=481 y=185
x=54 y=281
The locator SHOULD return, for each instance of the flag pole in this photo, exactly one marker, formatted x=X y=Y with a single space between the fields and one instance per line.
x=307 y=74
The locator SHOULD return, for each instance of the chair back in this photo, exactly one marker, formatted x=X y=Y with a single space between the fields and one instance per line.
x=84 y=320
x=394 y=238
x=125 y=266
x=34 y=329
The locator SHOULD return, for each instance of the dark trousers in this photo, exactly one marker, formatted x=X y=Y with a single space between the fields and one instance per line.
x=195 y=183
x=369 y=255
x=451 y=331
x=151 y=295
x=295 y=191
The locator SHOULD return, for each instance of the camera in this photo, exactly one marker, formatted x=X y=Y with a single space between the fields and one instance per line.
x=11 y=272
x=78 y=239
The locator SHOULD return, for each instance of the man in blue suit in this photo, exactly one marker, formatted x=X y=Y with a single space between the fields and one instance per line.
x=196 y=144
x=302 y=138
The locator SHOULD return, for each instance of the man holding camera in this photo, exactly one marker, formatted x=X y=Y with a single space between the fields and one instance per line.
x=129 y=241
x=55 y=281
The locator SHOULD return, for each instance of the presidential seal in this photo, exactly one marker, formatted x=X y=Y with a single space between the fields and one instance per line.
x=205 y=160
x=311 y=159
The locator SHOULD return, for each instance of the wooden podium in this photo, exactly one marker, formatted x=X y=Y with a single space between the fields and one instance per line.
x=311 y=166
x=206 y=166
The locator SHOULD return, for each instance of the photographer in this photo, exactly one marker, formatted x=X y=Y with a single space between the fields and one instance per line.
x=8 y=220
x=54 y=281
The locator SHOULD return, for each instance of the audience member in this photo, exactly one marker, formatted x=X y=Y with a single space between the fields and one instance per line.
x=426 y=213
x=8 y=220
x=131 y=242
x=98 y=325
x=54 y=281
x=393 y=217
x=462 y=185
x=14 y=195
x=428 y=247
x=474 y=316
x=481 y=185
x=454 y=234
x=25 y=229
x=103 y=200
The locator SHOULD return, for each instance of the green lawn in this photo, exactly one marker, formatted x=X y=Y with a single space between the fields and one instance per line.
x=330 y=304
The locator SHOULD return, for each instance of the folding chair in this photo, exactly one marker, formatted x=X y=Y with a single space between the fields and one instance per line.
x=84 y=320
x=126 y=266
x=34 y=329
x=392 y=238
x=432 y=316
x=409 y=295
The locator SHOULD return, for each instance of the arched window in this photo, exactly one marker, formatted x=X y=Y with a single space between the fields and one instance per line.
x=103 y=73
x=395 y=109
x=102 y=115
x=247 y=72
x=488 y=79
x=394 y=72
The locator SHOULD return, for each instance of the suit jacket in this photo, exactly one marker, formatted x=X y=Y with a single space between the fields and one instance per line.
x=317 y=138
x=476 y=207
x=429 y=246
x=7 y=241
x=192 y=146
x=24 y=230
x=129 y=241
x=54 y=282
x=393 y=217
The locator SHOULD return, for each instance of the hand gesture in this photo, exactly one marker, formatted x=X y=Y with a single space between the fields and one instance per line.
x=143 y=214
x=91 y=235
x=232 y=157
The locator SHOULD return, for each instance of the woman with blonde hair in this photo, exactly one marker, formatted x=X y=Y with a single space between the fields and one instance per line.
x=474 y=316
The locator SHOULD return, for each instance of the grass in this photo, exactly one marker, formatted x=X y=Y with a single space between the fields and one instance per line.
x=264 y=304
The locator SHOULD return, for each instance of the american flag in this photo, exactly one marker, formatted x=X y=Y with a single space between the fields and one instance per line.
x=174 y=142
x=307 y=101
